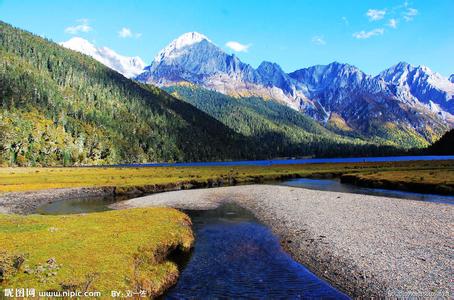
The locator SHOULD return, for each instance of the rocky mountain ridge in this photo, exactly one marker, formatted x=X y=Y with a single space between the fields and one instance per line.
x=413 y=98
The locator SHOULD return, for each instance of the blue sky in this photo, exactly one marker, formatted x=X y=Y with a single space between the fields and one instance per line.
x=372 y=35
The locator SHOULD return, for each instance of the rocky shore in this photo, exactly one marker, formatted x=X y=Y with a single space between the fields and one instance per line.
x=364 y=245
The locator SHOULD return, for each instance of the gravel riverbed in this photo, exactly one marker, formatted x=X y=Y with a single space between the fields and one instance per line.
x=364 y=245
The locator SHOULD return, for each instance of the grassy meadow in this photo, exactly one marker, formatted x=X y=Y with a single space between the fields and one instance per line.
x=438 y=181
x=31 y=179
x=114 y=250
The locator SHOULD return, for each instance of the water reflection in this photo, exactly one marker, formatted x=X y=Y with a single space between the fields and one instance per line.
x=79 y=205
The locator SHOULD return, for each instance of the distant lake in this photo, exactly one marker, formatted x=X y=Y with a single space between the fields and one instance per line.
x=293 y=161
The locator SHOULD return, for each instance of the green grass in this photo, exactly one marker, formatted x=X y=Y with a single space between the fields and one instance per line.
x=438 y=181
x=427 y=176
x=29 y=179
x=114 y=250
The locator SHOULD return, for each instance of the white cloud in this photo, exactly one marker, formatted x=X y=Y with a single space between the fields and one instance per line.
x=237 y=47
x=345 y=20
x=367 y=34
x=375 y=14
x=127 y=33
x=318 y=40
x=392 y=23
x=83 y=26
x=410 y=13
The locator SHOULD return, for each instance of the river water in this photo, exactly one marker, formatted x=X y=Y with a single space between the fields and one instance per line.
x=237 y=257
x=293 y=161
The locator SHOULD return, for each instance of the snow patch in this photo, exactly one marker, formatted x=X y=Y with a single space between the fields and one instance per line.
x=126 y=65
x=181 y=42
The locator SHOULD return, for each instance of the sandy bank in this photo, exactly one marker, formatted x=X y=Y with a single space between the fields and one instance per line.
x=364 y=245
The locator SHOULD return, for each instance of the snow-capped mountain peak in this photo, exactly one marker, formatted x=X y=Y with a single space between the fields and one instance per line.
x=417 y=78
x=185 y=40
x=420 y=85
x=403 y=71
x=128 y=66
x=451 y=78
x=192 y=57
x=188 y=39
x=81 y=45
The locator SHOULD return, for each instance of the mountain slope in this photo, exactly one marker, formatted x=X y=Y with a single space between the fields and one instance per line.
x=444 y=146
x=421 y=84
x=62 y=107
x=369 y=106
x=128 y=66
x=274 y=127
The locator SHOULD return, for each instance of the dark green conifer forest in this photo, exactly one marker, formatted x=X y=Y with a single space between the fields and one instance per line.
x=279 y=130
x=444 y=146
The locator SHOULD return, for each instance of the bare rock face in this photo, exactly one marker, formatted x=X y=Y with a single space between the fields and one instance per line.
x=366 y=102
x=422 y=85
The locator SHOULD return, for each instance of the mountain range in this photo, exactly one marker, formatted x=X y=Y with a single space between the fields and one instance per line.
x=401 y=100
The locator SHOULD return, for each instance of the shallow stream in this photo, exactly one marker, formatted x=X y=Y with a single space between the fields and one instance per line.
x=235 y=256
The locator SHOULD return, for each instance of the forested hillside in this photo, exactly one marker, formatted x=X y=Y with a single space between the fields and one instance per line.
x=59 y=107
x=277 y=129
x=444 y=146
